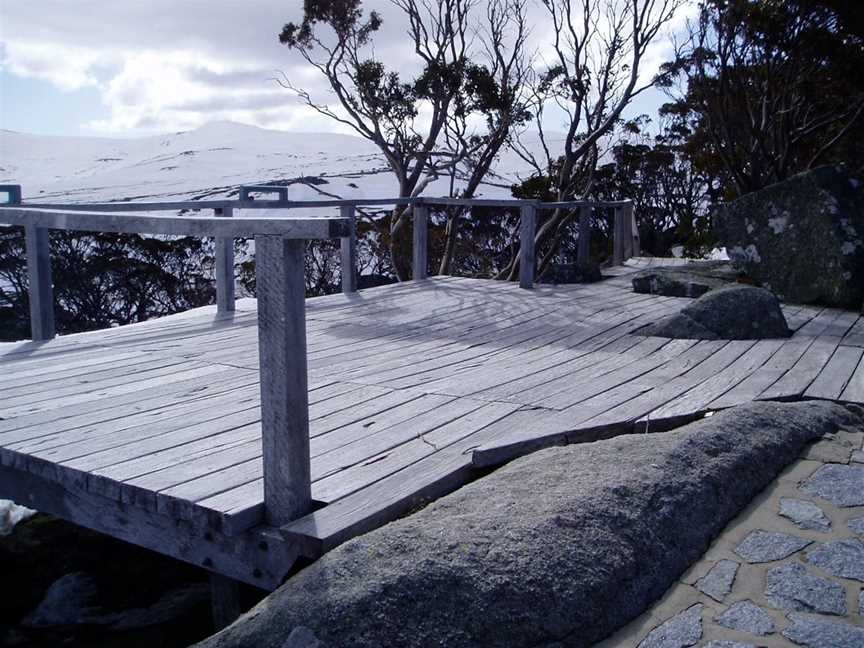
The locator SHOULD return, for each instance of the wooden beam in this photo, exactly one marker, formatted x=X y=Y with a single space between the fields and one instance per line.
x=259 y=557
x=348 y=247
x=41 y=290
x=280 y=287
x=172 y=205
x=584 y=251
x=224 y=266
x=421 y=241
x=294 y=227
x=527 y=229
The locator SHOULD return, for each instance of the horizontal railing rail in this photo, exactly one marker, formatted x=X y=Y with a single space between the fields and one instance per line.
x=316 y=227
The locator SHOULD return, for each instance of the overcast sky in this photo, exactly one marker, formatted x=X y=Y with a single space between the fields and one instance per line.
x=132 y=67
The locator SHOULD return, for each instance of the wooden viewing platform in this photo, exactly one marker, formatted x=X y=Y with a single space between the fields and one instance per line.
x=188 y=434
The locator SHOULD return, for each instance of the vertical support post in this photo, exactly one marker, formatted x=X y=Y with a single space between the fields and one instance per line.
x=224 y=600
x=635 y=240
x=583 y=253
x=421 y=245
x=618 y=237
x=348 y=246
x=280 y=287
x=224 y=268
x=527 y=230
x=41 y=290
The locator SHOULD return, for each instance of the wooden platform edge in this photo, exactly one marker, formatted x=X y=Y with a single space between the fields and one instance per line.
x=260 y=557
x=518 y=445
x=313 y=542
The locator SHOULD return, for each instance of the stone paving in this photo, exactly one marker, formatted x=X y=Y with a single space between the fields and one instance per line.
x=789 y=571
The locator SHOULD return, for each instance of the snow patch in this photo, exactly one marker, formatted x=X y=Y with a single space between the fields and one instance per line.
x=750 y=253
x=11 y=514
x=778 y=223
x=849 y=247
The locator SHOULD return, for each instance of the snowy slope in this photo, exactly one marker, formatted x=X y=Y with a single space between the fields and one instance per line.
x=209 y=162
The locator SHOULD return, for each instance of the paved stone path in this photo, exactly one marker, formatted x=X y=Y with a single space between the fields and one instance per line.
x=789 y=571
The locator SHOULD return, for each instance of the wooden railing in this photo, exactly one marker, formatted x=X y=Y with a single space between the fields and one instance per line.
x=280 y=288
x=624 y=232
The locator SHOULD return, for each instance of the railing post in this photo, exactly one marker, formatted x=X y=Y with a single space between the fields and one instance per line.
x=527 y=229
x=583 y=253
x=618 y=237
x=348 y=245
x=635 y=241
x=421 y=237
x=224 y=267
x=41 y=291
x=280 y=287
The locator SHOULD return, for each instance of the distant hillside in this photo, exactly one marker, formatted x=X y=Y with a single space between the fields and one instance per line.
x=208 y=162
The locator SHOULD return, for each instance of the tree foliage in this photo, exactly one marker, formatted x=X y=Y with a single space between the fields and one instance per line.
x=770 y=88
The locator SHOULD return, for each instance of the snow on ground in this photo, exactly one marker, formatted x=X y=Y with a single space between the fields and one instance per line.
x=209 y=162
x=11 y=514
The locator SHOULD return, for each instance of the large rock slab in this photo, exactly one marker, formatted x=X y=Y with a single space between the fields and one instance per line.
x=802 y=238
x=691 y=280
x=735 y=312
x=560 y=547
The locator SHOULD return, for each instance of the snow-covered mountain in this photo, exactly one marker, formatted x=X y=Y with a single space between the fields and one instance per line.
x=208 y=162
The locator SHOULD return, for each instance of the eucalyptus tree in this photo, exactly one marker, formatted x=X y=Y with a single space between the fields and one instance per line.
x=594 y=68
x=770 y=88
x=422 y=125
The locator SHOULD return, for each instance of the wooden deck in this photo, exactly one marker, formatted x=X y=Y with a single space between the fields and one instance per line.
x=154 y=429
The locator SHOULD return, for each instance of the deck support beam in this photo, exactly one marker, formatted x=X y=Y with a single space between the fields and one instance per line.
x=527 y=229
x=280 y=287
x=348 y=247
x=258 y=556
x=421 y=242
x=224 y=267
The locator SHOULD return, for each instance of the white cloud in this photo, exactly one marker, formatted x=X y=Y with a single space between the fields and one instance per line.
x=68 y=68
x=164 y=65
